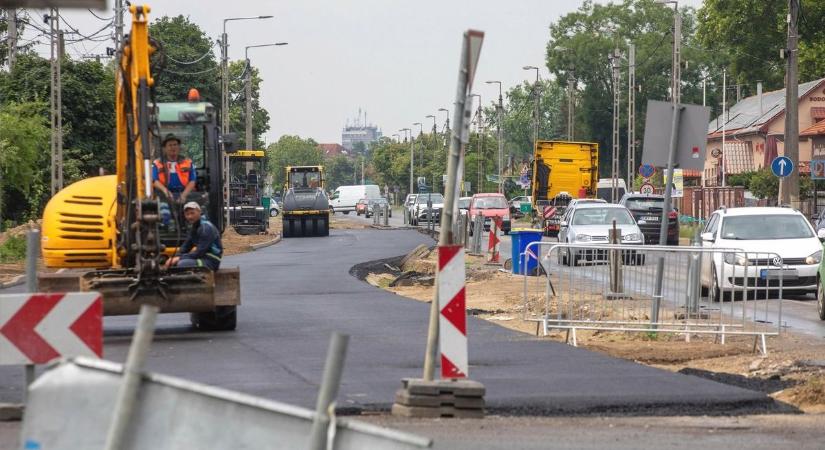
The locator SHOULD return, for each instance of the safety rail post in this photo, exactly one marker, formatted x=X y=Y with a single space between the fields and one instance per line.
x=616 y=283
x=32 y=253
x=386 y=211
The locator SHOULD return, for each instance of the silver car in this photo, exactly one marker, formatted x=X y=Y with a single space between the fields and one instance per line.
x=590 y=224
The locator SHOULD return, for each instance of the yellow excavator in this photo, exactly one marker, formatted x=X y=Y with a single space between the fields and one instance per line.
x=112 y=233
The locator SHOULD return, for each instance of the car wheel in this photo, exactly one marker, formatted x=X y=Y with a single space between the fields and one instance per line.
x=714 y=285
x=820 y=299
x=273 y=212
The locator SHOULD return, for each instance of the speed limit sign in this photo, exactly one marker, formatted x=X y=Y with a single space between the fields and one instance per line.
x=646 y=189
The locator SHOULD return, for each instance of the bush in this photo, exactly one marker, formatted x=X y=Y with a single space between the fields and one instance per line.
x=13 y=250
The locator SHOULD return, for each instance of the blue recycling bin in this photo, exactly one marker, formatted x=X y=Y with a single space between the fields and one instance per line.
x=521 y=238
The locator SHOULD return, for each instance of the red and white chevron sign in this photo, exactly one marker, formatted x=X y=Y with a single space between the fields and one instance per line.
x=452 y=322
x=37 y=328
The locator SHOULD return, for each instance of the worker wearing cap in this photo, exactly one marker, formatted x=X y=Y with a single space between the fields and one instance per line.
x=203 y=245
x=173 y=175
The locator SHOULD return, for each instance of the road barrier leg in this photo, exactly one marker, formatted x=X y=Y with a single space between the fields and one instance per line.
x=32 y=250
x=325 y=406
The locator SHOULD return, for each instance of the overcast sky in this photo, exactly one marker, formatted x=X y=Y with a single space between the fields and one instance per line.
x=397 y=60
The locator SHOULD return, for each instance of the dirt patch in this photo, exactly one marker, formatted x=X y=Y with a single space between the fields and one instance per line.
x=793 y=372
x=234 y=243
x=341 y=223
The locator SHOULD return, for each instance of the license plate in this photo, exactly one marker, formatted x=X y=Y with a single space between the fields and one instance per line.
x=774 y=274
x=650 y=218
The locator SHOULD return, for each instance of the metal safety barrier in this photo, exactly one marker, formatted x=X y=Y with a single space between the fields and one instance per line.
x=687 y=290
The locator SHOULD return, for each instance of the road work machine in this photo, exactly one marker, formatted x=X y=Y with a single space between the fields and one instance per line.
x=247 y=214
x=114 y=234
x=306 y=205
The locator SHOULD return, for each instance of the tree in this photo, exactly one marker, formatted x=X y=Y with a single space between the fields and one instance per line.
x=186 y=59
x=237 y=105
x=580 y=43
x=763 y=184
x=339 y=171
x=749 y=33
x=291 y=151
x=23 y=135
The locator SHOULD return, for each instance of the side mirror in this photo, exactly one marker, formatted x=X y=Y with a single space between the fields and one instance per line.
x=708 y=237
x=820 y=233
x=230 y=142
x=563 y=223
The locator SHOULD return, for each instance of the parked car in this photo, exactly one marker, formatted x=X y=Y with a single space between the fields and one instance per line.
x=344 y=198
x=361 y=206
x=766 y=230
x=590 y=223
x=420 y=208
x=274 y=208
x=819 y=221
x=515 y=204
x=490 y=205
x=647 y=210
x=820 y=289
x=376 y=204
x=464 y=205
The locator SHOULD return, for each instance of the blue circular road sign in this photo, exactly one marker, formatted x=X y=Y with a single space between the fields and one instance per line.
x=782 y=166
x=646 y=170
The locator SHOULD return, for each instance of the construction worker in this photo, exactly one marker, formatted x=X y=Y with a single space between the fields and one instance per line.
x=203 y=245
x=172 y=175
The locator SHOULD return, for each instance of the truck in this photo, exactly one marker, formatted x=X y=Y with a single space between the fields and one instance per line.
x=562 y=170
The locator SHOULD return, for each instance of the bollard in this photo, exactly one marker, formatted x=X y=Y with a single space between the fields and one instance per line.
x=132 y=374
x=465 y=231
x=333 y=367
x=694 y=271
x=478 y=230
x=615 y=259
x=32 y=253
x=386 y=211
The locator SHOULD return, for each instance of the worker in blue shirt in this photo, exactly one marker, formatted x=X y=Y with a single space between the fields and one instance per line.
x=203 y=246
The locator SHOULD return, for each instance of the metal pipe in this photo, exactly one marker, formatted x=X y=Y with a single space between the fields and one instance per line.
x=132 y=370
x=147 y=178
x=333 y=367
x=32 y=253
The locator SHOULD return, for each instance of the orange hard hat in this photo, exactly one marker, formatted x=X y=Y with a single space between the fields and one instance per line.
x=194 y=95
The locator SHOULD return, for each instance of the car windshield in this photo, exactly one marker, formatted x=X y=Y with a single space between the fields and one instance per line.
x=378 y=201
x=767 y=227
x=645 y=203
x=602 y=216
x=436 y=198
x=305 y=179
x=490 y=203
x=463 y=203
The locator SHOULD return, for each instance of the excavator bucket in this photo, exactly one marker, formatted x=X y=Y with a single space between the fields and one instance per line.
x=185 y=290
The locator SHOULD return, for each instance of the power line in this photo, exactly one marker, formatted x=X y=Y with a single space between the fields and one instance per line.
x=98 y=17
x=192 y=73
x=194 y=61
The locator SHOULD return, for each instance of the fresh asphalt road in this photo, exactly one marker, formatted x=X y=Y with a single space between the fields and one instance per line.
x=297 y=292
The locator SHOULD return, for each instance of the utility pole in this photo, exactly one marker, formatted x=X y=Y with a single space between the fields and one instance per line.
x=571 y=104
x=480 y=137
x=677 y=56
x=119 y=13
x=55 y=102
x=248 y=116
x=789 y=186
x=615 y=60
x=631 y=116
x=11 y=19
x=362 y=166
x=499 y=112
x=724 y=120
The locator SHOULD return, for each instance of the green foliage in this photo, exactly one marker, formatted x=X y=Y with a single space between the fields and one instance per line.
x=291 y=151
x=183 y=41
x=749 y=33
x=763 y=184
x=13 y=249
x=23 y=135
x=740 y=179
x=580 y=43
x=340 y=170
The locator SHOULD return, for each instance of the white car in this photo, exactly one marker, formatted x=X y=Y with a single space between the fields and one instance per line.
x=762 y=233
x=590 y=223
x=420 y=208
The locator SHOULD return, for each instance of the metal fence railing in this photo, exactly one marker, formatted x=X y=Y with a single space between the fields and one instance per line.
x=669 y=289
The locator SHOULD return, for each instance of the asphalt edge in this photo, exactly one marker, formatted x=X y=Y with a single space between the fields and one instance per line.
x=253 y=247
x=16 y=281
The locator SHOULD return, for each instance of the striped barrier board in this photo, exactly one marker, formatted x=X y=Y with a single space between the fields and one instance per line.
x=38 y=328
x=452 y=321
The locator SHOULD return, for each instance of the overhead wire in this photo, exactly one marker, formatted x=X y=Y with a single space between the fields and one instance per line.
x=194 y=61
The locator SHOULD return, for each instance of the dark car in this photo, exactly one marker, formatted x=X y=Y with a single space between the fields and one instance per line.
x=375 y=205
x=647 y=210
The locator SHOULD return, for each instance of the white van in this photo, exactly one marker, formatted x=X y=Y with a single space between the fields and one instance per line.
x=604 y=188
x=345 y=197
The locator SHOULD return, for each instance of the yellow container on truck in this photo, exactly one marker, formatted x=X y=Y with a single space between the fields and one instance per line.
x=560 y=166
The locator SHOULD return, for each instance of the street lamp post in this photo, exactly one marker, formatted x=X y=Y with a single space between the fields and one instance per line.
x=225 y=105
x=412 y=152
x=676 y=65
x=499 y=112
x=446 y=143
x=421 y=152
x=536 y=105
x=480 y=137
x=248 y=91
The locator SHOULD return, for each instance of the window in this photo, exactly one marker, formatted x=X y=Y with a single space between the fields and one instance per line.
x=490 y=203
x=602 y=216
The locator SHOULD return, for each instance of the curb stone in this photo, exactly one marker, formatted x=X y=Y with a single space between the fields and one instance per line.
x=11 y=412
x=16 y=281
x=261 y=245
